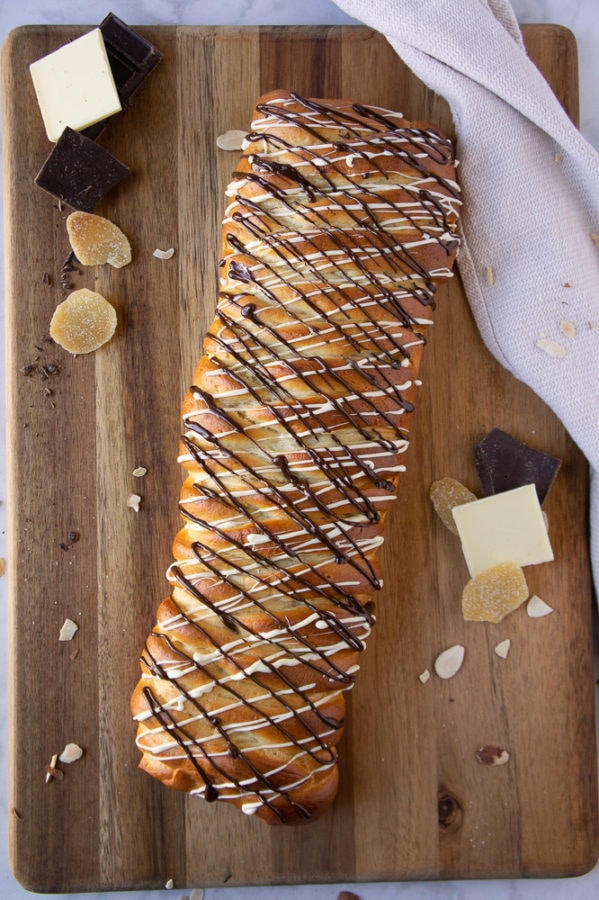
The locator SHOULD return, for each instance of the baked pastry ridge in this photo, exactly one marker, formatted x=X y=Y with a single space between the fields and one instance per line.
x=341 y=221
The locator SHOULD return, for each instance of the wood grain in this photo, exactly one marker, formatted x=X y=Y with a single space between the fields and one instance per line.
x=413 y=802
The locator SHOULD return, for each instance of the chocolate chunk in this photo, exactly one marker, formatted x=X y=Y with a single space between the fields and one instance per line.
x=80 y=172
x=503 y=463
x=131 y=58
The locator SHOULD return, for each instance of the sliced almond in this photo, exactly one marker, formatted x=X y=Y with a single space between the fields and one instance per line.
x=68 y=631
x=71 y=753
x=424 y=676
x=140 y=471
x=503 y=648
x=231 y=140
x=537 y=608
x=164 y=254
x=449 y=662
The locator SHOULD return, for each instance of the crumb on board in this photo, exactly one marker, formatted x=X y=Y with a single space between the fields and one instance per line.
x=490 y=755
x=134 y=502
x=71 y=753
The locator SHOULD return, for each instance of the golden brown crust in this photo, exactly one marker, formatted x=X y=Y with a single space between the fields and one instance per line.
x=340 y=221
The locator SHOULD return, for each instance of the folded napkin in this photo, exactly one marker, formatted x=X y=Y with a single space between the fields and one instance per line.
x=530 y=186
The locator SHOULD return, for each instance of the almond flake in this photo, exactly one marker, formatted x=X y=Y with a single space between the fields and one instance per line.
x=551 y=348
x=503 y=648
x=231 y=140
x=140 y=471
x=449 y=662
x=169 y=884
x=558 y=157
x=424 y=676
x=134 y=501
x=490 y=275
x=537 y=608
x=2 y=565
x=68 y=631
x=164 y=254
x=71 y=753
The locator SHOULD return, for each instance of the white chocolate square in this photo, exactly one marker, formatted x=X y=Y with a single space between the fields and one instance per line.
x=74 y=85
x=505 y=527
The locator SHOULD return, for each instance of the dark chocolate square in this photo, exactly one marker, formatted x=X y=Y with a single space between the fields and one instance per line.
x=80 y=172
x=131 y=58
x=503 y=463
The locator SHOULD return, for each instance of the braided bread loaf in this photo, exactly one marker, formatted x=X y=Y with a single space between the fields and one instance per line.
x=341 y=219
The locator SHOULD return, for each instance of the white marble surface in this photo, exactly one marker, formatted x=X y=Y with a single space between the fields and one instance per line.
x=582 y=17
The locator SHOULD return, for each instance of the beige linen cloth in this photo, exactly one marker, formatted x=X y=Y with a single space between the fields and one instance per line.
x=530 y=186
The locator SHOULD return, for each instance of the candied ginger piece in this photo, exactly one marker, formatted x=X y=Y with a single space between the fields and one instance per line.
x=445 y=494
x=96 y=240
x=83 y=322
x=491 y=595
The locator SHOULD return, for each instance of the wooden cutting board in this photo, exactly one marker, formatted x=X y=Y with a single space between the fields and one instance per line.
x=414 y=803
